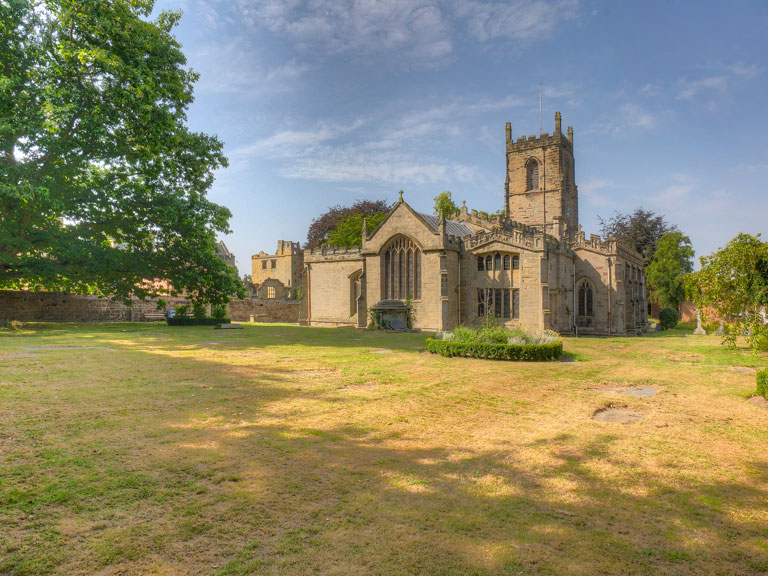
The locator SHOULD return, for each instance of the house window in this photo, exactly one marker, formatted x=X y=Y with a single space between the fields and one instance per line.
x=506 y=303
x=516 y=263
x=274 y=263
x=489 y=262
x=532 y=175
x=585 y=299
x=401 y=270
x=497 y=262
x=497 y=303
x=443 y=284
x=263 y=264
x=507 y=259
x=480 y=266
x=271 y=293
x=481 y=302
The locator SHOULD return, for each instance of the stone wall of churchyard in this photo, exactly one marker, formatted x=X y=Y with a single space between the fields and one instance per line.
x=264 y=310
x=55 y=307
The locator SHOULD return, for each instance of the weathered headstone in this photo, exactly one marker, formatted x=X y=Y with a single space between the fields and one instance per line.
x=699 y=331
x=719 y=331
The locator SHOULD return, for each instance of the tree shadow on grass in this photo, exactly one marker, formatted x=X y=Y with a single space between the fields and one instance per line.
x=191 y=465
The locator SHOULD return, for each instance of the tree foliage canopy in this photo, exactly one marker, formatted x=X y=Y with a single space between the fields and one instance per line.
x=322 y=226
x=640 y=230
x=444 y=204
x=665 y=276
x=734 y=283
x=102 y=186
x=348 y=232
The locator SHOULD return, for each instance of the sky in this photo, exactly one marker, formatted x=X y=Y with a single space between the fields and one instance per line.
x=323 y=102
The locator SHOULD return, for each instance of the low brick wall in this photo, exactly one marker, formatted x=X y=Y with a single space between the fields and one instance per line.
x=54 y=307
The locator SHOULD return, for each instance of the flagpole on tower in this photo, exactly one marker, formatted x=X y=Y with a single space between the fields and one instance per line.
x=540 y=124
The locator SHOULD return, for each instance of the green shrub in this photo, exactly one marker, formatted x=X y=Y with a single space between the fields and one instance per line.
x=668 y=318
x=762 y=383
x=182 y=310
x=198 y=310
x=490 y=351
x=219 y=311
x=192 y=321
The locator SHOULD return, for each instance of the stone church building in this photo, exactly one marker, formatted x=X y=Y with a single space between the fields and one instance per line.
x=531 y=267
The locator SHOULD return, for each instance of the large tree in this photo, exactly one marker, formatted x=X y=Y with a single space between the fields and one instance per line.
x=665 y=276
x=102 y=185
x=640 y=230
x=321 y=228
x=734 y=283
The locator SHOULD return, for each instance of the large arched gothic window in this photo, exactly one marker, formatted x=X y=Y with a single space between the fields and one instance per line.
x=401 y=270
x=532 y=175
x=586 y=297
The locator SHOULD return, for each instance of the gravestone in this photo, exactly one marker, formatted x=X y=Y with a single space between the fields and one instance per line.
x=719 y=331
x=699 y=331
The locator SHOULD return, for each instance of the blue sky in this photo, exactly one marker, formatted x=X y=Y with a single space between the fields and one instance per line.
x=322 y=102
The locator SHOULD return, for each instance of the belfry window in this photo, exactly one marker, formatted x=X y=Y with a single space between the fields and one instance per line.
x=401 y=272
x=532 y=175
x=585 y=299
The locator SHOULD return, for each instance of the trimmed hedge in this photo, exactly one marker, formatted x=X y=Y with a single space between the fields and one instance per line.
x=192 y=321
x=531 y=352
x=762 y=383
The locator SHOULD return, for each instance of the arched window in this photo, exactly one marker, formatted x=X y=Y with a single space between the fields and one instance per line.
x=507 y=259
x=489 y=262
x=586 y=298
x=567 y=174
x=401 y=274
x=480 y=266
x=497 y=261
x=532 y=175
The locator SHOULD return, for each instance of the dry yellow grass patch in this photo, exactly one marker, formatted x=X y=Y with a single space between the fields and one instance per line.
x=285 y=450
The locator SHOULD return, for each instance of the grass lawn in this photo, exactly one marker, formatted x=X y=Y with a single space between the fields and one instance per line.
x=144 y=449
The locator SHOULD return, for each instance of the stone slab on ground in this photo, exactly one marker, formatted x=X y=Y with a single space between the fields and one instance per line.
x=618 y=416
x=229 y=327
x=759 y=401
x=641 y=391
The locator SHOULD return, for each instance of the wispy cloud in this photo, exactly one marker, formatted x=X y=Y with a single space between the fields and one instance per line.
x=593 y=191
x=715 y=85
x=629 y=117
x=691 y=88
x=515 y=19
x=234 y=67
x=335 y=27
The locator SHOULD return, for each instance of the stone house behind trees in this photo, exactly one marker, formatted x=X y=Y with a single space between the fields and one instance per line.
x=531 y=267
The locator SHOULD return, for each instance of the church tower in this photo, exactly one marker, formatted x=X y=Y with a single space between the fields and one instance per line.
x=540 y=189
